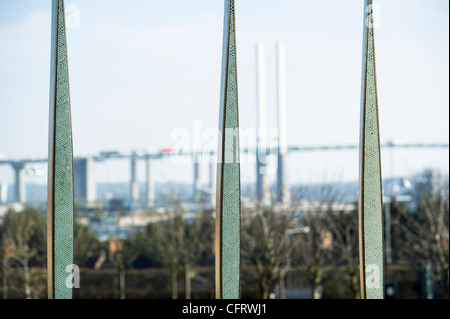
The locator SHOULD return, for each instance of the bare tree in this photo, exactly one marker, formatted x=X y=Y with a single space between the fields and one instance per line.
x=178 y=244
x=4 y=254
x=344 y=226
x=198 y=242
x=164 y=241
x=423 y=235
x=264 y=244
x=25 y=234
x=310 y=250
x=313 y=248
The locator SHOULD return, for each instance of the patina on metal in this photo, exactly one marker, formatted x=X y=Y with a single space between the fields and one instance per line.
x=228 y=207
x=370 y=207
x=60 y=208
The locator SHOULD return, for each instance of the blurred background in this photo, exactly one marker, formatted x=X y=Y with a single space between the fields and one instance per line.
x=145 y=90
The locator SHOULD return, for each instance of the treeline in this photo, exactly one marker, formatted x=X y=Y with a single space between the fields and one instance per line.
x=313 y=244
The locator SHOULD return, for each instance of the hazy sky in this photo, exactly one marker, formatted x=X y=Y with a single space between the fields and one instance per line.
x=141 y=69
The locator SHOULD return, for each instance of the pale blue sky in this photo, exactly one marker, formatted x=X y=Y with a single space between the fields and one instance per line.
x=140 y=69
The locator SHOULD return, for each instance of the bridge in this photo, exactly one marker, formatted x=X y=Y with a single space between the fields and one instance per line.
x=85 y=185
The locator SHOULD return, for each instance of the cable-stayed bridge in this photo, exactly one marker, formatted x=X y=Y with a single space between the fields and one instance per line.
x=85 y=185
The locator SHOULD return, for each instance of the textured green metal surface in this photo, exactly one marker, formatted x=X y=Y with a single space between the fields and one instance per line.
x=229 y=207
x=60 y=163
x=371 y=206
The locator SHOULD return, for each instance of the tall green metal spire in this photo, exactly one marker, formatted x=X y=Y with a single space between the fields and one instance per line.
x=228 y=206
x=60 y=165
x=370 y=184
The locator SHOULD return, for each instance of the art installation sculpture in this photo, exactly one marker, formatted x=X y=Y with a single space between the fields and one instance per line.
x=60 y=198
x=228 y=209
x=370 y=184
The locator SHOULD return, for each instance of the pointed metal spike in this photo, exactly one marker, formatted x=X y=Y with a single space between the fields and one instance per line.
x=228 y=207
x=60 y=208
x=370 y=183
